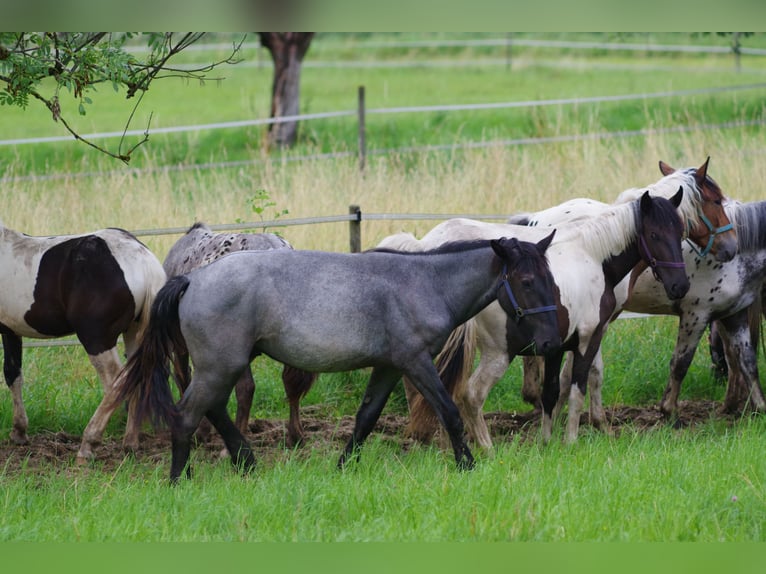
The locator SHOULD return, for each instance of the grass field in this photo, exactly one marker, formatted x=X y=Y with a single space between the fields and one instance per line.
x=702 y=484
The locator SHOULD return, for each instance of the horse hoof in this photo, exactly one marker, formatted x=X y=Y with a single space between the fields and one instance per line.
x=83 y=460
x=19 y=438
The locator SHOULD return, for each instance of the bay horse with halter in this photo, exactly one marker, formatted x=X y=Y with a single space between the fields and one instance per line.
x=588 y=261
x=97 y=285
x=327 y=312
x=200 y=246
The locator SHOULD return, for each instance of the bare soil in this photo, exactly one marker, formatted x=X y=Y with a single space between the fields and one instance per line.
x=58 y=450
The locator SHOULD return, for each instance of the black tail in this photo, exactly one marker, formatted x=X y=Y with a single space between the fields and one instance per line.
x=144 y=378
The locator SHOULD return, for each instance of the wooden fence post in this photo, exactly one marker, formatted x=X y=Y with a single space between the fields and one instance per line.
x=362 y=143
x=355 y=229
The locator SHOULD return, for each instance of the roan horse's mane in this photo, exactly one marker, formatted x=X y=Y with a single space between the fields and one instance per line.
x=749 y=220
x=406 y=241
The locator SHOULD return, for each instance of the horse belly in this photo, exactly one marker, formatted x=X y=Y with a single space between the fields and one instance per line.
x=327 y=351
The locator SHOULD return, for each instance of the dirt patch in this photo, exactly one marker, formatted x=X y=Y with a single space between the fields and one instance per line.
x=58 y=450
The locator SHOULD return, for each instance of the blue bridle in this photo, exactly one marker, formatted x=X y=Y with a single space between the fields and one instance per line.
x=521 y=312
x=713 y=233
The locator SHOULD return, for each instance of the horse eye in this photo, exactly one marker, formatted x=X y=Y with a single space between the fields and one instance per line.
x=718 y=202
x=653 y=235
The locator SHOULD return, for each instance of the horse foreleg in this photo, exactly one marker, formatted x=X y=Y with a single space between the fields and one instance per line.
x=690 y=329
x=381 y=383
x=741 y=355
x=550 y=392
x=582 y=364
x=423 y=374
x=107 y=365
x=12 y=353
x=471 y=396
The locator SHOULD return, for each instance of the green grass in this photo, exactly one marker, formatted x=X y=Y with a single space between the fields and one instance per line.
x=704 y=484
x=659 y=485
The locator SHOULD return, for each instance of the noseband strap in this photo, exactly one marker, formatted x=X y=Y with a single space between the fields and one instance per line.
x=713 y=233
x=653 y=263
x=520 y=312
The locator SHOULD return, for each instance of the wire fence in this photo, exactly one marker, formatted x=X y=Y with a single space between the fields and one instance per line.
x=398 y=150
x=356 y=216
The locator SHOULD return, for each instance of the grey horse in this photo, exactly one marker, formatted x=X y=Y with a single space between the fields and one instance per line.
x=329 y=312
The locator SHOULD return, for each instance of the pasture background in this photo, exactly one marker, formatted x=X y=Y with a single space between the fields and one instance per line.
x=683 y=483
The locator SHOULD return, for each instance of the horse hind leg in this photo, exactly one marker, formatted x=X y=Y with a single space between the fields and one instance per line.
x=743 y=387
x=12 y=353
x=297 y=383
x=690 y=329
x=239 y=449
x=107 y=365
x=244 y=390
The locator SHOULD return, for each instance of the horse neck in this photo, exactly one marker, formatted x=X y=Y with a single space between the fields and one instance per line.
x=612 y=238
x=750 y=222
x=468 y=280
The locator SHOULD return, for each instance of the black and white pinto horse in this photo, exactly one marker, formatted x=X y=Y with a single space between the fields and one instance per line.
x=200 y=246
x=722 y=288
x=327 y=312
x=588 y=260
x=96 y=285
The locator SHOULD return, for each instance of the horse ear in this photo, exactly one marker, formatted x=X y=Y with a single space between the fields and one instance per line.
x=678 y=197
x=646 y=202
x=701 y=173
x=665 y=169
x=543 y=244
x=503 y=246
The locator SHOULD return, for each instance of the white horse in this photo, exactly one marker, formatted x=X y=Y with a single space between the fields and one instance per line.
x=588 y=260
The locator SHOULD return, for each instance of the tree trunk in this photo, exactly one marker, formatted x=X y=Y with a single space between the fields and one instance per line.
x=287 y=51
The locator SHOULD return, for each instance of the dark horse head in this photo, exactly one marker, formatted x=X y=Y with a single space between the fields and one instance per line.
x=527 y=293
x=659 y=237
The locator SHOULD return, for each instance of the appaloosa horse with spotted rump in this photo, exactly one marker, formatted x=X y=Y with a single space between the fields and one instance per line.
x=199 y=246
x=96 y=285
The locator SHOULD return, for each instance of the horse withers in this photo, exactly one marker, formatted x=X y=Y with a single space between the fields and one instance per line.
x=200 y=246
x=97 y=285
x=326 y=312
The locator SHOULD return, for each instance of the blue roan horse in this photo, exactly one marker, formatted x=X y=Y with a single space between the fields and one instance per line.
x=97 y=285
x=323 y=312
x=200 y=246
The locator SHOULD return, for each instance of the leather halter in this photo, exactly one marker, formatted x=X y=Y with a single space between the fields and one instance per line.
x=519 y=311
x=653 y=263
x=713 y=233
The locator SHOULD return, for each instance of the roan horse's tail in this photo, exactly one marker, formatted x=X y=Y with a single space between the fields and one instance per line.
x=145 y=375
x=454 y=364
